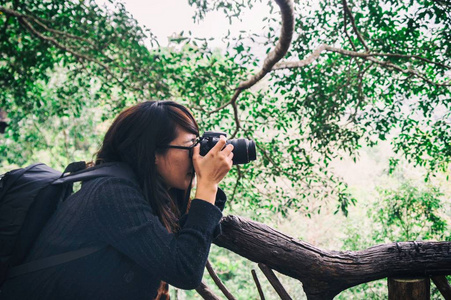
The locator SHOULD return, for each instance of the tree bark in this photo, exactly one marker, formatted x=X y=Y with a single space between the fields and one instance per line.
x=323 y=273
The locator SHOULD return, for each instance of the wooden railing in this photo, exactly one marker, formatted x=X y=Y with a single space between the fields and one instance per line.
x=324 y=274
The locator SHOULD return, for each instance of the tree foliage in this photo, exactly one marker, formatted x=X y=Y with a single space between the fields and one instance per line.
x=383 y=73
x=353 y=74
x=356 y=73
x=410 y=213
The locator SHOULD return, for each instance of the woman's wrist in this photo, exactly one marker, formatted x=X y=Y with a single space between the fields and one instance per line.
x=206 y=192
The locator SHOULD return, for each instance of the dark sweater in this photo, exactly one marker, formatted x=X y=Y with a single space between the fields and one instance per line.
x=140 y=252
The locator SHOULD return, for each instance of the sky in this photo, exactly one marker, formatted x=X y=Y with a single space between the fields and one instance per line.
x=167 y=17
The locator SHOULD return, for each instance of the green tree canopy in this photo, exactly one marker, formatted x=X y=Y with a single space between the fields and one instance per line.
x=356 y=73
x=339 y=75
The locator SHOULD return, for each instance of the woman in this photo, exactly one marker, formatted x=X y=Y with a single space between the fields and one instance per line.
x=151 y=238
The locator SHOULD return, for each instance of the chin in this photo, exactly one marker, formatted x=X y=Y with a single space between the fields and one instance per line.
x=185 y=185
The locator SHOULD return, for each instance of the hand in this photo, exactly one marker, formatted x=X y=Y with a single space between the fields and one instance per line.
x=211 y=169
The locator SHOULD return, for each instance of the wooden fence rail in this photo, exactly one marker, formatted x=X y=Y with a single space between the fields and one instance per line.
x=323 y=273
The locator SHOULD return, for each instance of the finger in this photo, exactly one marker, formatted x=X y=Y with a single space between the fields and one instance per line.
x=230 y=156
x=228 y=149
x=219 y=145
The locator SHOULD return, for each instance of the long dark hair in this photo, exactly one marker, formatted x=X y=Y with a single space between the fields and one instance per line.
x=136 y=135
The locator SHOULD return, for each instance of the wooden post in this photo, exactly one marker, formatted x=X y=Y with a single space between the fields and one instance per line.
x=409 y=288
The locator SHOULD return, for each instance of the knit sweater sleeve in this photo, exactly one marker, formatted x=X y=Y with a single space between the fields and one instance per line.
x=125 y=220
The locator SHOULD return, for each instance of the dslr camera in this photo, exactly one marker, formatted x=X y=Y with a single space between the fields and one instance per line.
x=243 y=149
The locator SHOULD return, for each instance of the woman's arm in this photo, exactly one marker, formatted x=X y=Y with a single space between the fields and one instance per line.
x=125 y=220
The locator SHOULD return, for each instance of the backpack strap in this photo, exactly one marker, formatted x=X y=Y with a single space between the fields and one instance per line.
x=113 y=169
x=52 y=261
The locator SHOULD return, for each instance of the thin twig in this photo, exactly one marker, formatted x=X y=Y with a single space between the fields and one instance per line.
x=354 y=26
x=408 y=71
x=408 y=56
x=367 y=56
x=205 y=292
x=235 y=115
x=23 y=19
x=315 y=54
x=268 y=157
x=274 y=282
x=40 y=21
x=218 y=282
x=10 y=12
x=238 y=169
x=360 y=93
x=257 y=283
x=30 y=27
x=345 y=25
x=65 y=34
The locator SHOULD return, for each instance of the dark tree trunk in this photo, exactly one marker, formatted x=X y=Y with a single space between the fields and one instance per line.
x=324 y=274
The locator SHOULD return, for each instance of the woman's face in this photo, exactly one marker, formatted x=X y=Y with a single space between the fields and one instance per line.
x=175 y=166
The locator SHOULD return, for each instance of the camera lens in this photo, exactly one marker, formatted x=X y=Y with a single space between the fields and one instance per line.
x=243 y=151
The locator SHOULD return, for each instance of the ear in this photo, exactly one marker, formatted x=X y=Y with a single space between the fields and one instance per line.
x=157 y=159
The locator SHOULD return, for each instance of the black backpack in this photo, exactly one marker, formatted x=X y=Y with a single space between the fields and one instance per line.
x=28 y=198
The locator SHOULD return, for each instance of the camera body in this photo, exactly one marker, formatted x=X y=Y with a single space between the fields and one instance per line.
x=243 y=149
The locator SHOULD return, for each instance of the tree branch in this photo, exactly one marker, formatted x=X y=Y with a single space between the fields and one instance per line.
x=360 y=93
x=218 y=282
x=324 y=274
x=274 y=282
x=302 y=63
x=205 y=292
x=257 y=283
x=345 y=25
x=240 y=175
x=408 y=71
x=367 y=56
x=235 y=113
x=354 y=26
x=23 y=19
x=395 y=55
x=274 y=164
x=62 y=33
x=17 y=14
x=286 y=35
